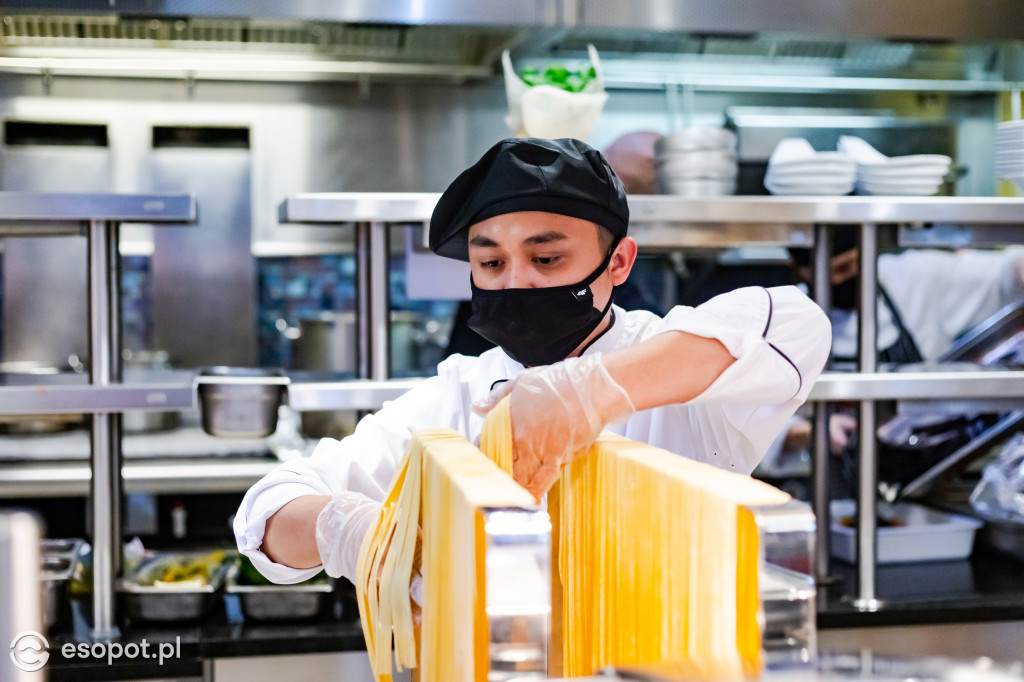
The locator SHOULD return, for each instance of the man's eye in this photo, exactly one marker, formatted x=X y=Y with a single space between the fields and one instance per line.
x=546 y=260
x=490 y=263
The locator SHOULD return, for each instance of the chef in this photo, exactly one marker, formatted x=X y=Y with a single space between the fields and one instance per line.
x=926 y=299
x=543 y=225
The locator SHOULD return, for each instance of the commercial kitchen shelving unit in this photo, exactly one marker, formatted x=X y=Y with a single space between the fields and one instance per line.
x=668 y=223
x=658 y=223
x=98 y=217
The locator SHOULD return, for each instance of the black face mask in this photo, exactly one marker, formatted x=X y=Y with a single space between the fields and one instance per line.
x=844 y=296
x=538 y=326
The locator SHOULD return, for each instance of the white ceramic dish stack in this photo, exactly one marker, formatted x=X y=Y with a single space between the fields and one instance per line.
x=878 y=174
x=1009 y=161
x=796 y=168
x=696 y=162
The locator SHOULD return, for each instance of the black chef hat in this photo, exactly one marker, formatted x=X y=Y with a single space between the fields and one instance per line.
x=562 y=176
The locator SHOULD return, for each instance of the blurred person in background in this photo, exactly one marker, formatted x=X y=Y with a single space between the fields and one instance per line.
x=927 y=298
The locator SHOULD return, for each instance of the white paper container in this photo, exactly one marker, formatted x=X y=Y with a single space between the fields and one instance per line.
x=927 y=535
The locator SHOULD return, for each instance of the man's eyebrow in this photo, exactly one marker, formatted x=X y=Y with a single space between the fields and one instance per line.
x=483 y=242
x=545 y=238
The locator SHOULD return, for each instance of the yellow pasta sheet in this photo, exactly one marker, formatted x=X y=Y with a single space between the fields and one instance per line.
x=440 y=487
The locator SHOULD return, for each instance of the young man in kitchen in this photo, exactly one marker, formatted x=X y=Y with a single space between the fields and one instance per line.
x=543 y=226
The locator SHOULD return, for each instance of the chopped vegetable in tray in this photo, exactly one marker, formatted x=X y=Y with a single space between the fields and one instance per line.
x=193 y=571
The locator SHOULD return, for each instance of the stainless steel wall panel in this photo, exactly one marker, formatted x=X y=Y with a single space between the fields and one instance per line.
x=927 y=19
x=516 y=12
x=204 y=289
x=45 y=311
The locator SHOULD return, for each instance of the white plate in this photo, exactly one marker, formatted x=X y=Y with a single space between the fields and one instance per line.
x=912 y=160
x=887 y=173
x=902 y=181
x=907 y=190
x=819 y=161
x=820 y=188
x=802 y=179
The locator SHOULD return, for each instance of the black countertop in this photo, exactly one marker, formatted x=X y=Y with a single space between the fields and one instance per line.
x=986 y=587
x=178 y=649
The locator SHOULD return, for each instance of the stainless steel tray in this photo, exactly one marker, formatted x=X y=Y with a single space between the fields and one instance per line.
x=279 y=602
x=998 y=341
x=153 y=603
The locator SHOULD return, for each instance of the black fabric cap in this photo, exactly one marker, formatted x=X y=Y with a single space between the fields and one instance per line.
x=563 y=176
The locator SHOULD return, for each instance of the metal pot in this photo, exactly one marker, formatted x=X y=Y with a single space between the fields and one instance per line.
x=29 y=372
x=240 y=402
x=326 y=341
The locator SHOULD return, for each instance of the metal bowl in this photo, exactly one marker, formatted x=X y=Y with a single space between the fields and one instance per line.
x=240 y=402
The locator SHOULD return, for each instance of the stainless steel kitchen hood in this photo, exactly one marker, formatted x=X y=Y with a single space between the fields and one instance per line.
x=942 y=45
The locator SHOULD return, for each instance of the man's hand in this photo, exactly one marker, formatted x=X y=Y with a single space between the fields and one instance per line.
x=340 y=528
x=557 y=411
x=840 y=428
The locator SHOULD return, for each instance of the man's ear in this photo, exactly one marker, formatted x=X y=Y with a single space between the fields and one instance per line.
x=622 y=260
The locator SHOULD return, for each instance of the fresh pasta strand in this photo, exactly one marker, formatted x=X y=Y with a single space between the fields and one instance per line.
x=655 y=558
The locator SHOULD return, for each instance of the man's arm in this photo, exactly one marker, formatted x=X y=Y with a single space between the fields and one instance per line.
x=741 y=352
x=290 y=535
x=672 y=367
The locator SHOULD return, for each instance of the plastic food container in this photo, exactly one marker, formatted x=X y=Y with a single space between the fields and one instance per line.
x=240 y=402
x=279 y=602
x=147 y=597
x=916 y=534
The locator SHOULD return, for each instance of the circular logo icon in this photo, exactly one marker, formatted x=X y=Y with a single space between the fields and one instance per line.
x=29 y=651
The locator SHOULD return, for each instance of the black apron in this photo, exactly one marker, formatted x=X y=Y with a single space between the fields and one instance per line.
x=904 y=350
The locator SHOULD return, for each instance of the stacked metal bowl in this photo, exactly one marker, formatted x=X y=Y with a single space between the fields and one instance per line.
x=696 y=162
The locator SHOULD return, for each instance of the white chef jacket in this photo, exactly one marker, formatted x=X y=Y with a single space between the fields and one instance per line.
x=939 y=295
x=780 y=340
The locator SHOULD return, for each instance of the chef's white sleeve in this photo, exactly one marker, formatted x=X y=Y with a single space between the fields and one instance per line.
x=362 y=463
x=780 y=340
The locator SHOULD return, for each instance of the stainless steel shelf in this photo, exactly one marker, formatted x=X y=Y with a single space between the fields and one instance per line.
x=306 y=394
x=342 y=207
x=348 y=207
x=98 y=218
x=938 y=385
x=131 y=208
x=60 y=479
x=358 y=394
x=657 y=221
x=88 y=399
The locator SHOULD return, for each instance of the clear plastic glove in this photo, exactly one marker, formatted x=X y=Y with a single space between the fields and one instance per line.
x=340 y=529
x=557 y=411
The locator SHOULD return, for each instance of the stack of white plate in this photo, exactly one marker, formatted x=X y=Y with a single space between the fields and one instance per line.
x=1010 y=151
x=696 y=162
x=796 y=168
x=913 y=175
